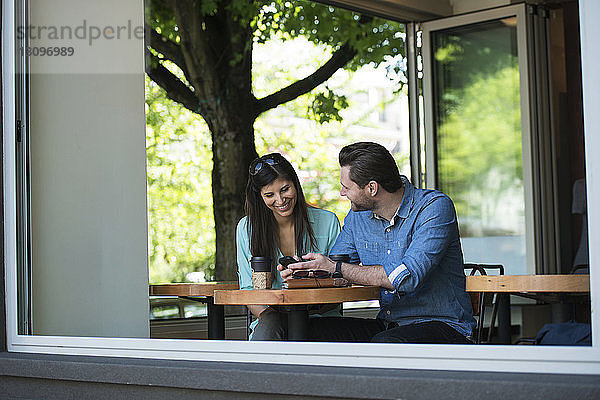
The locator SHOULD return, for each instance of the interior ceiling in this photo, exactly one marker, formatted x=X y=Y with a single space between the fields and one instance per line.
x=401 y=10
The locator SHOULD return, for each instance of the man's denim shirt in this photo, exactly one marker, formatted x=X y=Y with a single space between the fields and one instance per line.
x=421 y=253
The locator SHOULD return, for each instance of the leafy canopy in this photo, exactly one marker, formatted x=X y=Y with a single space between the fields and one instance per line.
x=375 y=39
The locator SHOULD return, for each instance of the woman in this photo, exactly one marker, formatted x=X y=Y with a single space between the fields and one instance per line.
x=278 y=223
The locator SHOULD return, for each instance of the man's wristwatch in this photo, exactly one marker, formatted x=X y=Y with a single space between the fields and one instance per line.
x=339 y=259
x=338 y=270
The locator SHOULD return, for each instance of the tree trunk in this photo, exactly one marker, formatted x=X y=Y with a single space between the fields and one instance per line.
x=232 y=152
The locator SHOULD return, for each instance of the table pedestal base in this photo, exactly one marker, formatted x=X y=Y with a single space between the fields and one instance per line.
x=504 y=328
x=298 y=323
x=216 y=319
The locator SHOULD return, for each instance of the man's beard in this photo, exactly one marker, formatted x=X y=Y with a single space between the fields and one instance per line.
x=362 y=204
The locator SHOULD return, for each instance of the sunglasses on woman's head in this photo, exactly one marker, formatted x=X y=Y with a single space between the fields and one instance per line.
x=311 y=273
x=260 y=162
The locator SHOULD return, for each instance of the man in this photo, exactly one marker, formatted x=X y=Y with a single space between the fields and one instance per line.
x=404 y=240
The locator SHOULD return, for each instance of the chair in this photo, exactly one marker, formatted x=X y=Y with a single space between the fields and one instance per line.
x=478 y=299
x=581 y=262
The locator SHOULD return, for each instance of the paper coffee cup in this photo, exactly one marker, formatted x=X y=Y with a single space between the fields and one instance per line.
x=262 y=276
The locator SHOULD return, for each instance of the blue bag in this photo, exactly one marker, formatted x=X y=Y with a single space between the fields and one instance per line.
x=565 y=334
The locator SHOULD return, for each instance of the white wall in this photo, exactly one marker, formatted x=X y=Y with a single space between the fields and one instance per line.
x=89 y=228
x=589 y=15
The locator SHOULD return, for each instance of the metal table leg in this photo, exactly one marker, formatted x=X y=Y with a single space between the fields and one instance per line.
x=562 y=310
x=504 y=331
x=216 y=319
x=298 y=323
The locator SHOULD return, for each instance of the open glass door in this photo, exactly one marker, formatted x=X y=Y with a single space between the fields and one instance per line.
x=477 y=131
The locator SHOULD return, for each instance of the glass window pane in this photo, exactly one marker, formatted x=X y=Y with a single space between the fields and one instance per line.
x=478 y=137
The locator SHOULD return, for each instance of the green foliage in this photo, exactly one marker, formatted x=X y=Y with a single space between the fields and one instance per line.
x=483 y=135
x=180 y=218
x=479 y=132
x=326 y=106
x=376 y=40
x=160 y=17
x=208 y=7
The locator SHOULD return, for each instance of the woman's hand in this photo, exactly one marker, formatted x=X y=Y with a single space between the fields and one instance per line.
x=285 y=272
x=315 y=261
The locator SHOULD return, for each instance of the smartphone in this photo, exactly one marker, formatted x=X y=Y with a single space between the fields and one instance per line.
x=287 y=260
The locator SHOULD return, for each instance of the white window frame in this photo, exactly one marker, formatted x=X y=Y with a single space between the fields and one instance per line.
x=563 y=360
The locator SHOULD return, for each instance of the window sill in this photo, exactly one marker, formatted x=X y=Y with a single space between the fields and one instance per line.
x=39 y=372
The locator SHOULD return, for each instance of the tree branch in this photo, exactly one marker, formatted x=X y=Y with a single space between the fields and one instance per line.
x=340 y=58
x=175 y=88
x=169 y=49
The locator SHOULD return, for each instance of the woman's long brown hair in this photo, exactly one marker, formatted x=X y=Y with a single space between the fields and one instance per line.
x=262 y=226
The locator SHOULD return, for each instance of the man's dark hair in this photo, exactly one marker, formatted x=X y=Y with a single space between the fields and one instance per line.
x=370 y=161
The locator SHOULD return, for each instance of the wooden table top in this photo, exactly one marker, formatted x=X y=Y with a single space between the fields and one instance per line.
x=297 y=296
x=229 y=293
x=529 y=283
x=191 y=289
